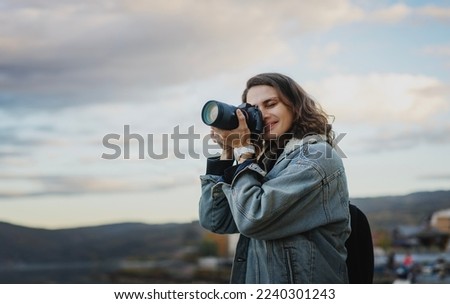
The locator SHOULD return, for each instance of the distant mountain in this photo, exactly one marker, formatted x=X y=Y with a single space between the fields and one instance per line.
x=142 y=241
x=108 y=242
x=386 y=212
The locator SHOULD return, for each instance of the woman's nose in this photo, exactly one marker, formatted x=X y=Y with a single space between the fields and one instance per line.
x=264 y=114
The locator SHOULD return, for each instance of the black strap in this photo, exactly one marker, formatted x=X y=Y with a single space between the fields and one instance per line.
x=360 y=257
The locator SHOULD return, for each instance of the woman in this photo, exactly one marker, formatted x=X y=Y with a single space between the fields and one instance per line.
x=287 y=195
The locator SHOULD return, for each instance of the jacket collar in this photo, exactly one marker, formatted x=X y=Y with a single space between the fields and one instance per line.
x=296 y=143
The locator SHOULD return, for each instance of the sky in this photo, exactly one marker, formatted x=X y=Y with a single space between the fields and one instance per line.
x=84 y=81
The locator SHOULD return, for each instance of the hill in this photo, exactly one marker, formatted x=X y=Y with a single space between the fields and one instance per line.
x=143 y=241
x=143 y=253
x=99 y=243
x=386 y=212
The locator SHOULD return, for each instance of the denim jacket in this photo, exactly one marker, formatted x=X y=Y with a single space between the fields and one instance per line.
x=293 y=220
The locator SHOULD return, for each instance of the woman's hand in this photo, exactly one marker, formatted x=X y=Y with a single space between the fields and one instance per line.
x=230 y=139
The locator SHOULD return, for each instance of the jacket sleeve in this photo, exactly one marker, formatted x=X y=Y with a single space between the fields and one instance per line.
x=295 y=201
x=214 y=209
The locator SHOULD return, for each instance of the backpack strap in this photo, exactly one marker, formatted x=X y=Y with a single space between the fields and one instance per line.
x=360 y=256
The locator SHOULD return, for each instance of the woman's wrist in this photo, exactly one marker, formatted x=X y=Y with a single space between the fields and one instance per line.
x=245 y=156
x=241 y=154
x=227 y=154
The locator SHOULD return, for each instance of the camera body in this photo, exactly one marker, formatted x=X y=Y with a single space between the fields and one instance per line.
x=223 y=116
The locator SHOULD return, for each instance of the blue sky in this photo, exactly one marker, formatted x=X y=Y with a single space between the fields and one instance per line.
x=73 y=72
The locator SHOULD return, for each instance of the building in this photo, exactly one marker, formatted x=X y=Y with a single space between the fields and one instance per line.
x=221 y=242
x=441 y=220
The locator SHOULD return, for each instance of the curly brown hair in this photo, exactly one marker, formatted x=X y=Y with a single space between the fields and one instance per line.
x=309 y=117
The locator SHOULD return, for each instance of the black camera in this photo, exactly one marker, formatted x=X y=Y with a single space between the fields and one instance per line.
x=223 y=116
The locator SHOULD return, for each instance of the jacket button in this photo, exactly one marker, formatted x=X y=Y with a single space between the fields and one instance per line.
x=241 y=260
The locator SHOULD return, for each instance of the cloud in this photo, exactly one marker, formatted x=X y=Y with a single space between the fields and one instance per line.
x=7 y=154
x=63 y=53
x=39 y=185
x=59 y=53
x=319 y=56
x=87 y=49
x=386 y=111
x=33 y=185
x=435 y=177
x=438 y=50
x=442 y=51
x=377 y=99
x=391 y=14
x=399 y=12
x=436 y=12
x=9 y=137
x=389 y=139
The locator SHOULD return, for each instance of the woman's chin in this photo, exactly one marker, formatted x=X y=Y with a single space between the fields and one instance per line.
x=270 y=136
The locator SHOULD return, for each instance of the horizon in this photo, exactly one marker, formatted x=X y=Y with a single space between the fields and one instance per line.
x=93 y=225
x=381 y=69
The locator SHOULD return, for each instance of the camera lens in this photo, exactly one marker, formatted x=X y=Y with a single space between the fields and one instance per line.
x=220 y=115
x=210 y=112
